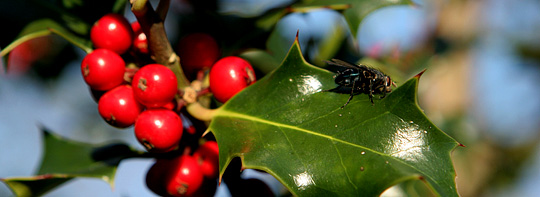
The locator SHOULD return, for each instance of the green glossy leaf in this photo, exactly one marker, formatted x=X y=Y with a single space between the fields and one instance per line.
x=358 y=10
x=65 y=159
x=45 y=27
x=284 y=124
x=34 y=186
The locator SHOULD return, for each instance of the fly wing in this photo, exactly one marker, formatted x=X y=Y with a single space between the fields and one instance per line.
x=336 y=62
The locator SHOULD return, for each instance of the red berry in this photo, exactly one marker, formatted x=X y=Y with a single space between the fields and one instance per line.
x=118 y=107
x=154 y=85
x=159 y=130
x=155 y=177
x=191 y=130
x=229 y=76
x=198 y=51
x=171 y=105
x=140 y=43
x=113 y=32
x=186 y=177
x=103 y=69
x=208 y=158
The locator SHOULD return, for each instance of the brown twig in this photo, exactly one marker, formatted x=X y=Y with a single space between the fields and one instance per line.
x=158 y=43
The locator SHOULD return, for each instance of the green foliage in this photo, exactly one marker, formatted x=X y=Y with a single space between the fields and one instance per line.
x=70 y=19
x=283 y=124
x=34 y=186
x=286 y=126
x=66 y=159
x=45 y=27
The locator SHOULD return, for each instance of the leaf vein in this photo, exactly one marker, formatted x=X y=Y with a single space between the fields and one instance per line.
x=230 y=114
x=344 y=167
x=360 y=124
x=290 y=144
x=320 y=117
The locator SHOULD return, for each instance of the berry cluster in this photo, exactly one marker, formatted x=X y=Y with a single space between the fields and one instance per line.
x=185 y=175
x=145 y=94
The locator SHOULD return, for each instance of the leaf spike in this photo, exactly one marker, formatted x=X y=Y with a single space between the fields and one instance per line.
x=44 y=130
x=296 y=39
x=242 y=166
x=206 y=132
x=46 y=176
x=460 y=144
x=417 y=76
x=422 y=178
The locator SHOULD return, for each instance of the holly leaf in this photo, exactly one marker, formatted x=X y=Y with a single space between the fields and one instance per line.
x=287 y=126
x=70 y=19
x=66 y=159
x=34 y=186
x=46 y=27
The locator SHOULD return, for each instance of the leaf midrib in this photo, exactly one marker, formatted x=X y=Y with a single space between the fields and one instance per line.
x=225 y=113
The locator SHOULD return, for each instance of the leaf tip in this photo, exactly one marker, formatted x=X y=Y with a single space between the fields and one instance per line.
x=296 y=41
x=417 y=76
x=422 y=178
x=206 y=132
x=462 y=145
x=44 y=130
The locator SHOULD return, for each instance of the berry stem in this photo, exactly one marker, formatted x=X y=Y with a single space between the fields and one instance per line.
x=129 y=73
x=162 y=8
x=201 y=113
x=158 y=43
x=203 y=92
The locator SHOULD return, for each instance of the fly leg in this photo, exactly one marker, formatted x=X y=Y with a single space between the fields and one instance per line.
x=383 y=95
x=383 y=91
x=371 y=92
x=352 y=94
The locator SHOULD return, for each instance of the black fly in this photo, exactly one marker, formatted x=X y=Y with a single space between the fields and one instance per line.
x=360 y=79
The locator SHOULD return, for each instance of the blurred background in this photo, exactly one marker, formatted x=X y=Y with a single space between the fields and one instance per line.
x=482 y=59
